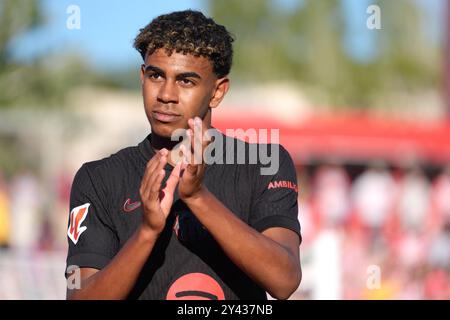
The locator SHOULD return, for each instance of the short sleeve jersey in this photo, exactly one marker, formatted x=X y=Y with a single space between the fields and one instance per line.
x=186 y=262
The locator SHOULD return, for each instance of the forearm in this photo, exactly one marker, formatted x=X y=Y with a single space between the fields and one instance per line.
x=117 y=279
x=268 y=263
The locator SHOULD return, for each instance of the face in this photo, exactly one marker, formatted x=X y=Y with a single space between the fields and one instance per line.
x=178 y=87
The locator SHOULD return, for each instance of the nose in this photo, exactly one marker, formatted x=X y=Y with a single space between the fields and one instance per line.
x=168 y=92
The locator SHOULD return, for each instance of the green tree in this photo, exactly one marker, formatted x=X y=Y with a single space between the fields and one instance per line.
x=305 y=44
x=46 y=79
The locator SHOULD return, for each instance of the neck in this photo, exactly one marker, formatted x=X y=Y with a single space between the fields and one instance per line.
x=158 y=142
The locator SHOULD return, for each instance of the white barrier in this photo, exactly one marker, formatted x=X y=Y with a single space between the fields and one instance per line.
x=32 y=275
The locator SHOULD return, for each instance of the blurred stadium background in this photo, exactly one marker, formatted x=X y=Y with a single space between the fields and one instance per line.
x=364 y=113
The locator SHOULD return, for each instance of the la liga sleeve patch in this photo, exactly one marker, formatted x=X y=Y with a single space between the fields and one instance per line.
x=77 y=216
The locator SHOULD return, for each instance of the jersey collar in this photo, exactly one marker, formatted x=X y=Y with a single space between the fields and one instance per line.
x=146 y=149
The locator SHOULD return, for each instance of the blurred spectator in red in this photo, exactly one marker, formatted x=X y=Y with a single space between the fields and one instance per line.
x=410 y=251
x=437 y=285
x=309 y=227
x=59 y=212
x=25 y=204
x=414 y=201
x=355 y=262
x=374 y=193
x=332 y=194
x=439 y=251
x=440 y=201
x=308 y=220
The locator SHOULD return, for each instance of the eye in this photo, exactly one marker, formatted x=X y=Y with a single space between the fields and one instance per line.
x=154 y=76
x=186 y=82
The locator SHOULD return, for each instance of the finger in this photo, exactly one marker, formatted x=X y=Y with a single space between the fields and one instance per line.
x=191 y=123
x=194 y=154
x=154 y=175
x=189 y=174
x=185 y=149
x=150 y=200
x=173 y=179
x=188 y=155
x=151 y=166
x=206 y=136
x=160 y=166
x=156 y=186
x=147 y=174
x=191 y=170
x=192 y=132
x=200 y=139
x=183 y=167
x=195 y=151
x=199 y=126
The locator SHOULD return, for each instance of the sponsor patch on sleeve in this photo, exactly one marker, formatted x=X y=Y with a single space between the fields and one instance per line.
x=283 y=184
x=77 y=216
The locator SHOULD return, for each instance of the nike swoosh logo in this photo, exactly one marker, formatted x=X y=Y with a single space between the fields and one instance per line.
x=129 y=206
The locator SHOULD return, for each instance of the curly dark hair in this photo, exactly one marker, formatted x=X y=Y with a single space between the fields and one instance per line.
x=189 y=32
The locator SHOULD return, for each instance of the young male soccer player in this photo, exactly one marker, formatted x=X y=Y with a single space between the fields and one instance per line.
x=144 y=225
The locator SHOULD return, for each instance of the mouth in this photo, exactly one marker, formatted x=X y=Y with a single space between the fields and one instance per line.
x=164 y=116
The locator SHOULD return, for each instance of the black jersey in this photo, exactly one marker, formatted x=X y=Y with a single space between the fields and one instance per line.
x=186 y=262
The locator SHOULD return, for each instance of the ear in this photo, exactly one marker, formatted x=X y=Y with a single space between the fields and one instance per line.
x=221 y=88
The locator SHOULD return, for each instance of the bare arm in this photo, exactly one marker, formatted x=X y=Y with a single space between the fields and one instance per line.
x=117 y=279
x=270 y=258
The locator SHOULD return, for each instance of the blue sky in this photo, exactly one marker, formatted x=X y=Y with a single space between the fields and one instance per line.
x=358 y=39
x=108 y=28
